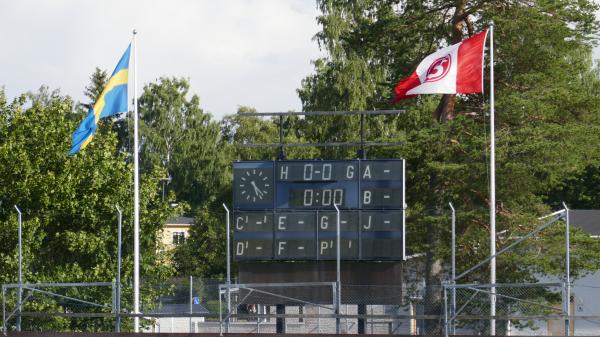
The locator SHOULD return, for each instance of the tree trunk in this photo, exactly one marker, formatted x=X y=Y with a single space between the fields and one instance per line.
x=445 y=109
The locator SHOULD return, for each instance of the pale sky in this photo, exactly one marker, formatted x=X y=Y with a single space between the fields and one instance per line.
x=234 y=52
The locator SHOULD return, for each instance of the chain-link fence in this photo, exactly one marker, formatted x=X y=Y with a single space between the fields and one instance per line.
x=531 y=309
x=59 y=307
x=204 y=305
x=195 y=305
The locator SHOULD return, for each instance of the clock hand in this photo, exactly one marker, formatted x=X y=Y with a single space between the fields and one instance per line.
x=256 y=189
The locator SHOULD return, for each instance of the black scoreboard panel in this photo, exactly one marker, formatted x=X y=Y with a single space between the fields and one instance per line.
x=284 y=210
x=310 y=171
x=295 y=236
x=380 y=235
x=327 y=230
x=253 y=186
x=253 y=236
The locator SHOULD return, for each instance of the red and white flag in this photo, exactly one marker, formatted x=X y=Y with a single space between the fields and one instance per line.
x=457 y=69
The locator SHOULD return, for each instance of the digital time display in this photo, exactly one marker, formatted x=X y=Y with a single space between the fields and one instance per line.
x=316 y=197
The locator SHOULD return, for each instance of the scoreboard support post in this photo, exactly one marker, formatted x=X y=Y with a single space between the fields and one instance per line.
x=280 y=321
x=361 y=310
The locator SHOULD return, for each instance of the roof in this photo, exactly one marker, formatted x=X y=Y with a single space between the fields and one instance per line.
x=180 y=220
x=586 y=219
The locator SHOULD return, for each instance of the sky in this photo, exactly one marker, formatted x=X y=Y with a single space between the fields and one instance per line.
x=235 y=52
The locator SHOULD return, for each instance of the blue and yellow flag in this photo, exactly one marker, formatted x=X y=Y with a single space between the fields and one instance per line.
x=112 y=100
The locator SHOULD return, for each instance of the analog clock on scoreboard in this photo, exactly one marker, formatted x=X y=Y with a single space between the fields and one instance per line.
x=285 y=210
x=253 y=185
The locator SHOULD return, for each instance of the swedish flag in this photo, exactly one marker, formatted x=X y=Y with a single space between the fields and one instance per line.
x=112 y=100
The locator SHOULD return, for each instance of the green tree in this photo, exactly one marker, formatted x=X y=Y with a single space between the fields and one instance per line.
x=547 y=118
x=68 y=203
x=184 y=140
x=98 y=81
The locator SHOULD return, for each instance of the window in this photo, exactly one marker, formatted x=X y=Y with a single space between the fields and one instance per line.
x=178 y=238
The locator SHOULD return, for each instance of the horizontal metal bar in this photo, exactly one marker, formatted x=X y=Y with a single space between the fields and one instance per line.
x=510 y=317
x=251 y=316
x=47 y=285
x=68 y=314
x=322 y=113
x=503 y=285
x=280 y=285
x=332 y=144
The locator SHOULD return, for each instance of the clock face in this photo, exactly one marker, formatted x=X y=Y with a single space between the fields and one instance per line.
x=254 y=186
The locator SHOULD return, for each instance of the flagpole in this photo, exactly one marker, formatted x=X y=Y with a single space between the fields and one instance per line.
x=136 y=197
x=492 y=190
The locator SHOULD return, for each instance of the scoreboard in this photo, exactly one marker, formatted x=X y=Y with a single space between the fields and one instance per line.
x=285 y=210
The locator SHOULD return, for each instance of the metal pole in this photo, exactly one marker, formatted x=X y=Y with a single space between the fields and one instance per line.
x=453 y=306
x=361 y=153
x=118 y=290
x=404 y=206
x=281 y=154
x=568 y=270
x=191 y=300
x=492 y=189
x=338 y=282
x=220 y=313
x=136 y=197
x=446 y=311
x=20 y=288
x=228 y=269
x=4 y=310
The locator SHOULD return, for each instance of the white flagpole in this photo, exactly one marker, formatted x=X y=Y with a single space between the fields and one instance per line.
x=136 y=197
x=492 y=190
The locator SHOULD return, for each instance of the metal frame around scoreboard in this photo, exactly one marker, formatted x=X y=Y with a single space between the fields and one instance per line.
x=291 y=216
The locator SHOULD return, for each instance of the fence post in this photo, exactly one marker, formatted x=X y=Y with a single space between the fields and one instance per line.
x=338 y=302
x=118 y=282
x=20 y=289
x=228 y=268
x=568 y=272
x=445 y=310
x=220 y=313
x=191 y=301
x=3 y=310
x=114 y=304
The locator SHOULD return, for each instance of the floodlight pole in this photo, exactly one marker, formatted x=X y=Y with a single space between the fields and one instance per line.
x=20 y=288
x=228 y=269
x=338 y=287
x=118 y=290
x=568 y=271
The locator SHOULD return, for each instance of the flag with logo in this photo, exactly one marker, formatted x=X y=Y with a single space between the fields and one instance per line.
x=456 y=69
x=111 y=101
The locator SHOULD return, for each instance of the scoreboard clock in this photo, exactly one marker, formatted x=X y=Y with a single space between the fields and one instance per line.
x=285 y=210
x=253 y=185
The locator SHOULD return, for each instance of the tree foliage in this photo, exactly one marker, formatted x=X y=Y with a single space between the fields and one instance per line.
x=68 y=203
x=184 y=140
x=547 y=119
